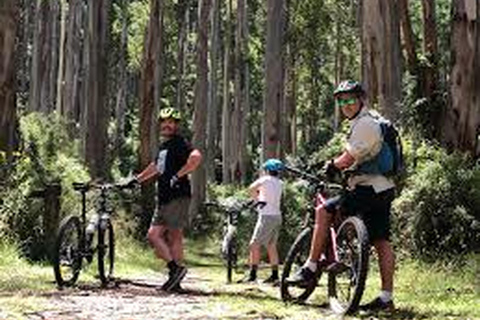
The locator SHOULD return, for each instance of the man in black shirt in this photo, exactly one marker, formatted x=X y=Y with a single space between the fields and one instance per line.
x=174 y=161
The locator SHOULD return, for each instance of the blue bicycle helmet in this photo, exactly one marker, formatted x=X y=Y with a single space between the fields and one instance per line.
x=273 y=165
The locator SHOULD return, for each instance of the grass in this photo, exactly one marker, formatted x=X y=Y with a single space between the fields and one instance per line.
x=423 y=291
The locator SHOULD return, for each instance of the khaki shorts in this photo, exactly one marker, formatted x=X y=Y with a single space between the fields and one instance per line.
x=267 y=229
x=173 y=214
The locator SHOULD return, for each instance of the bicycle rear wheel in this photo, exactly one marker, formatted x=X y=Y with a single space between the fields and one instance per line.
x=67 y=256
x=105 y=250
x=231 y=258
x=345 y=287
x=296 y=257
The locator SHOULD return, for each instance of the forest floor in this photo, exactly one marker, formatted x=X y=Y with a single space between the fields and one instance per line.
x=27 y=291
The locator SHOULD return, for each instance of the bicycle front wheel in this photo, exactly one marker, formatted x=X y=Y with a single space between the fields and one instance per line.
x=296 y=257
x=105 y=250
x=67 y=256
x=346 y=286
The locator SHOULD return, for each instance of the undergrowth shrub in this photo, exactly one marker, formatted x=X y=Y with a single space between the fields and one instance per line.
x=49 y=156
x=438 y=215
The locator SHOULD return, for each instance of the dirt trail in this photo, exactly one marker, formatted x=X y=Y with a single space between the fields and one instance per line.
x=126 y=299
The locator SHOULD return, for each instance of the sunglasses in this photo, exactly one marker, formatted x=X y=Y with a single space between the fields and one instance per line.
x=345 y=102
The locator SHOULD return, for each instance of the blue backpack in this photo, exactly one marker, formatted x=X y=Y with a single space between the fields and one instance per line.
x=389 y=160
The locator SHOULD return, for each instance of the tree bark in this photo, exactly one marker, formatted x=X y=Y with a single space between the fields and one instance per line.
x=238 y=116
x=70 y=103
x=381 y=63
x=61 y=58
x=226 y=110
x=408 y=37
x=41 y=59
x=96 y=115
x=54 y=53
x=121 y=103
x=212 y=98
x=200 y=113
x=271 y=131
x=182 y=15
x=462 y=122
x=8 y=29
x=147 y=92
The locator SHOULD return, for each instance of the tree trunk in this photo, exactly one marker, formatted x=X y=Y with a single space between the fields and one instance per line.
x=147 y=92
x=41 y=59
x=61 y=58
x=238 y=116
x=245 y=129
x=96 y=115
x=381 y=69
x=271 y=130
x=226 y=110
x=54 y=53
x=121 y=103
x=70 y=103
x=212 y=100
x=462 y=123
x=8 y=29
x=182 y=15
x=159 y=47
x=408 y=37
x=148 y=121
x=430 y=69
x=200 y=113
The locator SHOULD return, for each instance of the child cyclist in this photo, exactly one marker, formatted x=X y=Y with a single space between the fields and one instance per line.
x=268 y=189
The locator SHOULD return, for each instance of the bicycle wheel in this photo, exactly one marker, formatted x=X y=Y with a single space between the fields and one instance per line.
x=345 y=287
x=296 y=257
x=231 y=258
x=67 y=256
x=106 y=250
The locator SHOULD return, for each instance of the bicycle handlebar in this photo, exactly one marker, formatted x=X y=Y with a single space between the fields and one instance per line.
x=313 y=179
x=86 y=186
x=250 y=204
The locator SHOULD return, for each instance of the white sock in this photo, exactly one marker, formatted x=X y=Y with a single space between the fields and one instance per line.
x=312 y=265
x=385 y=296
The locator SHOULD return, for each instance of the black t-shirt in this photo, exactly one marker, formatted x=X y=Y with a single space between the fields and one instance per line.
x=171 y=157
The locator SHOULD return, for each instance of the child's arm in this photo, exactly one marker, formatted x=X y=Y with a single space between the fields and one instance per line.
x=253 y=188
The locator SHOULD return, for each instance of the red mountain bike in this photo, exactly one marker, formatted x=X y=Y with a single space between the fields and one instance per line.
x=345 y=259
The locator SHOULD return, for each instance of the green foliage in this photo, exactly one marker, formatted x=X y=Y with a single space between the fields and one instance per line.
x=50 y=156
x=438 y=215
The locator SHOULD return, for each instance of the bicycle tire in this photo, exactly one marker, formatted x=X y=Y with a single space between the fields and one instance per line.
x=296 y=257
x=106 y=251
x=67 y=255
x=352 y=234
x=231 y=258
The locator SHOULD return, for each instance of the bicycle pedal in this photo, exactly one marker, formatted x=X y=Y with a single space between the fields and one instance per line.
x=337 y=268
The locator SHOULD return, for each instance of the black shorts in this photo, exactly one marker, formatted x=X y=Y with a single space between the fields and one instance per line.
x=373 y=208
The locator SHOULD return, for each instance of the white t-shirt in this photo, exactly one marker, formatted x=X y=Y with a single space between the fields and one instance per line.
x=364 y=143
x=269 y=190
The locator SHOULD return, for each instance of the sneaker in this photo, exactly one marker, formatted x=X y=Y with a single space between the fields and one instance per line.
x=303 y=277
x=272 y=279
x=247 y=279
x=379 y=305
x=174 y=278
x=177 y=289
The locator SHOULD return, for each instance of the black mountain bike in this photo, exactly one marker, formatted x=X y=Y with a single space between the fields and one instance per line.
x=232 y=209
x=345 y=259
x=74 y=243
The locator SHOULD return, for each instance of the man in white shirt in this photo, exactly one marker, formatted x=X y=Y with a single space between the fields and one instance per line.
x=370 y=193
x=267 y=189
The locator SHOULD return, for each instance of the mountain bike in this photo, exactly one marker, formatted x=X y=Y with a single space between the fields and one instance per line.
x=75 y=238
x=345 y=259
x=232 y=208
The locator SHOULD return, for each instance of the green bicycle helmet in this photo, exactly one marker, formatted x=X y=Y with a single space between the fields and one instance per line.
x=349 y=86
x=169 y=113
